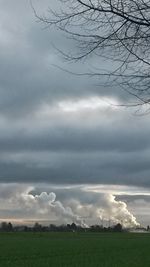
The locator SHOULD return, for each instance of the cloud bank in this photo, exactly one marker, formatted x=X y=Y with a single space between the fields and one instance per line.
x=56 y=127
x=22 y=202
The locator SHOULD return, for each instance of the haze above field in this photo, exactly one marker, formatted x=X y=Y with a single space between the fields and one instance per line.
x=58 y=132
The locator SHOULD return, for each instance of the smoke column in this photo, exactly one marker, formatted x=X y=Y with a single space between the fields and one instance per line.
x=105 y=207
x=116 y=211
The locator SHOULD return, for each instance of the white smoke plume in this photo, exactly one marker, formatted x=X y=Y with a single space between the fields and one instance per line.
x=46 y=204
x=23 y=204
x=106 y=209
x=117 y=212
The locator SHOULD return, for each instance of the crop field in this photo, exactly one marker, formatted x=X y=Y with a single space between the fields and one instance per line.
x=74 y=250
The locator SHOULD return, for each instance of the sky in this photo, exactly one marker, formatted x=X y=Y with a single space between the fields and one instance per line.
x=66 y=153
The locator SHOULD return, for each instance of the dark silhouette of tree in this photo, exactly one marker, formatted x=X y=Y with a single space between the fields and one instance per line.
x=118 y=227
x=96 y=228
x=118 y=31
x=37 y=227
x=73 y=226
x=10 y=227
x=6 y=227
x=53 y=227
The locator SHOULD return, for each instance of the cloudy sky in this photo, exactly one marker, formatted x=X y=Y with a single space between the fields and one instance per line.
x=59 y=133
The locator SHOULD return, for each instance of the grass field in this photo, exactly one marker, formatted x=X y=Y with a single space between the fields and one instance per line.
x=74 y=250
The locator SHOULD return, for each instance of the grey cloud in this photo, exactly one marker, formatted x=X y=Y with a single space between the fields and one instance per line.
x=103 y=146
x=88 y=131
x=131 y=198
x=26 y=72
x=75 y=169
x=67 y=151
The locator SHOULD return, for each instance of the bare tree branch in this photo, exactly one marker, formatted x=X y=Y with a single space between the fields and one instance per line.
x=118 y=30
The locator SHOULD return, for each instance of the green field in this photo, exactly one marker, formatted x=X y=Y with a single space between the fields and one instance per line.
x=74 y=250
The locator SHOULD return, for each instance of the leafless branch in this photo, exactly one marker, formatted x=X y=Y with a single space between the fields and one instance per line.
x=117 y=30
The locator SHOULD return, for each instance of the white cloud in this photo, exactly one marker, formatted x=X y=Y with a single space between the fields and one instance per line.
x=22 y=203
x=117 y=190
x=88 y=104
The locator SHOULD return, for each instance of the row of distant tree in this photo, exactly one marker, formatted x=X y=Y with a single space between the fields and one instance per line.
x=37 y=227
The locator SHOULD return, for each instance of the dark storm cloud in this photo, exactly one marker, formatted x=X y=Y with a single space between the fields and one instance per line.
x=76 y=168
x=104 y=145
x=75 y=138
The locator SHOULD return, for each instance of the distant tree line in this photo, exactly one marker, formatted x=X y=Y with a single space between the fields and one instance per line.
x=37 y=227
